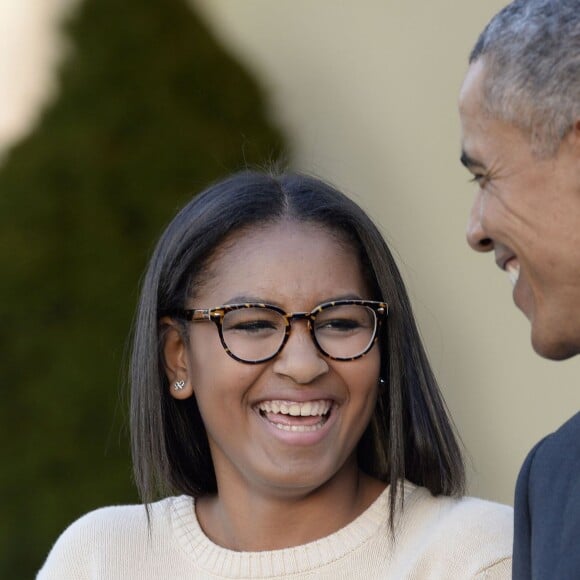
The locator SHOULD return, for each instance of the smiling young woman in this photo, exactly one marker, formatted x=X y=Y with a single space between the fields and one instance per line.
x=284 y=408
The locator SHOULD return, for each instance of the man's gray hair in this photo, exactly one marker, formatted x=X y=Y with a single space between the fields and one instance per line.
x=531 y=52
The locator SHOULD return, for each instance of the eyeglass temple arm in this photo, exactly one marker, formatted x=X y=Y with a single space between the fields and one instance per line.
x=198 y=314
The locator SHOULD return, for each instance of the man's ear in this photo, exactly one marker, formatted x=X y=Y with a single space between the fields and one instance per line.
x=575 y=135
x=175 y=359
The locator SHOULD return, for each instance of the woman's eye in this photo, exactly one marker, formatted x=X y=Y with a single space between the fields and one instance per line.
x=254 y=326
x=339 y=325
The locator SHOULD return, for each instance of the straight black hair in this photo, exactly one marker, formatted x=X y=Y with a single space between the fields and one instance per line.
x=410 y=435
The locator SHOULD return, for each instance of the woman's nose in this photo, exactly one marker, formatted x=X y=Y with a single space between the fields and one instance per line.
x=477 y=238
x=300 y=359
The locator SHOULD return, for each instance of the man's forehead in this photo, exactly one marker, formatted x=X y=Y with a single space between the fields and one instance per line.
x=476 y=123
x=471 y=93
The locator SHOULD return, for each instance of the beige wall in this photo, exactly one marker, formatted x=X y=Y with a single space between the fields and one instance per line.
x=367 y=93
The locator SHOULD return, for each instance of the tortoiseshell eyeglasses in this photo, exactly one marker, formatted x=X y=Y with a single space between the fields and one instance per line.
x=255 y=333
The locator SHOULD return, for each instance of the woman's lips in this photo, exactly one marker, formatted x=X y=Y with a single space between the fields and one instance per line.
x=296 y=416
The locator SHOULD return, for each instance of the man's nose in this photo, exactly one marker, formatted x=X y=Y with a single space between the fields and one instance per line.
x=300 y=359
x=477 y=237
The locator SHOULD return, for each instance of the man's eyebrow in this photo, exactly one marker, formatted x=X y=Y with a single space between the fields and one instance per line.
x=470 y=162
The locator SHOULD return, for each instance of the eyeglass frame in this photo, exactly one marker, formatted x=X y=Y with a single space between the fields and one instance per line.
x=217 y=314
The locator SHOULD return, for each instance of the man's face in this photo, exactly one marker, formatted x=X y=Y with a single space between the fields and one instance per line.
x=527 y=211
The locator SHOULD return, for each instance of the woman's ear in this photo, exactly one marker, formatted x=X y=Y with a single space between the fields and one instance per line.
x=175 y=359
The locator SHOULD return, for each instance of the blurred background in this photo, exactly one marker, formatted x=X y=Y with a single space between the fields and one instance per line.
x=113 y=114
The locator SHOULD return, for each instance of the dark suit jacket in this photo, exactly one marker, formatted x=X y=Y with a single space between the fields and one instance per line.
x=547 y=508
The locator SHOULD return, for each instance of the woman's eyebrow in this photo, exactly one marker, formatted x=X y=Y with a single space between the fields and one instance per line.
x=249 y=298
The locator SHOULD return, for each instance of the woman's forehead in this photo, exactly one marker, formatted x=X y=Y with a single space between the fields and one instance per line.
x=285 y=236
x=284 y=259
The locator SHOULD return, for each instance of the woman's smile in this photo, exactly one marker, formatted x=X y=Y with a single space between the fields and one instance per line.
x=298 y=422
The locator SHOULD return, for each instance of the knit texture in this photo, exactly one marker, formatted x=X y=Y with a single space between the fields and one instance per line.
x=435 y=538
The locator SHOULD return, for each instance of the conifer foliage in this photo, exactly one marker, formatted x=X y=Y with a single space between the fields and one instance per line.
x=150 y=109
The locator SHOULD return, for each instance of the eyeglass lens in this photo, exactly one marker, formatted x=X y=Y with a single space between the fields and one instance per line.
x=341 y=331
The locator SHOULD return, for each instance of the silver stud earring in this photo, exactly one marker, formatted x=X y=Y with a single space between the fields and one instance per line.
x=178 y=385
x=382 y=382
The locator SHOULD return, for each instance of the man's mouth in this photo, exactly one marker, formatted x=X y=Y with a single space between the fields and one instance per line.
x=512 y=267
x=294 y=415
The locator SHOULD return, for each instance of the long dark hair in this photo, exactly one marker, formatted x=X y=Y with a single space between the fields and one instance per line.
x=410 y=435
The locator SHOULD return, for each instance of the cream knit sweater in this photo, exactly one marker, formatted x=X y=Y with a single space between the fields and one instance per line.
x=435 y=538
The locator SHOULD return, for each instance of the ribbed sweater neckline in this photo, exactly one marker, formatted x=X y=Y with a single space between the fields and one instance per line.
x=226 y=563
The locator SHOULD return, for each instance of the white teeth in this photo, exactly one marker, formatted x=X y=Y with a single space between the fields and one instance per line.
x=300 y=428
x=513 y=272
x=296 y=409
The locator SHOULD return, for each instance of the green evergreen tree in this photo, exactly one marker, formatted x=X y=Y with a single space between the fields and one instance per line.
x=150 y=110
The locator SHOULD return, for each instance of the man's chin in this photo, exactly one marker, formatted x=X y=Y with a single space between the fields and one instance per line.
x=554 y=347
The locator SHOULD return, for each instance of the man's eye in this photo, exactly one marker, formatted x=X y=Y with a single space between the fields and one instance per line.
x=479 y=178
